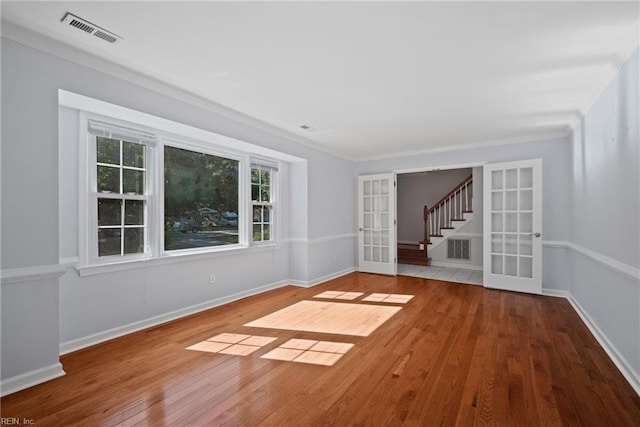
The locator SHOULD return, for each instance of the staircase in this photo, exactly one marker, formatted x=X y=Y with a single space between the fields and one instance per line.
x=412 y=254
x=440 y=221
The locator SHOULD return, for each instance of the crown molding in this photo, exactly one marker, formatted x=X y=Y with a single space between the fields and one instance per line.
x=67 y=52
x=471 y=145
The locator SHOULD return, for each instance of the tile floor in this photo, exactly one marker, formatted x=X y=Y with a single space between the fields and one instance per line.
x=461 y=275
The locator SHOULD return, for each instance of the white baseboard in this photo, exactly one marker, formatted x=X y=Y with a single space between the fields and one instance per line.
x=80 y=343
x=621 y=363
x=31 y=378
x=317 y=281
x=556 y=293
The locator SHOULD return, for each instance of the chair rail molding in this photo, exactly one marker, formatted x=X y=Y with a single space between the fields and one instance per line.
x=613 y=264
x=31 y=274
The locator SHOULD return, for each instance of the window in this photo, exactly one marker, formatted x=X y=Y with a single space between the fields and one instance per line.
x=201 y=199
x=151 y=189
x=262 y=202
x=152 y=195
x=121 y=196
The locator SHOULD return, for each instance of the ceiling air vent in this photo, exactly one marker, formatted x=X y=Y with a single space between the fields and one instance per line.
x=89 y=28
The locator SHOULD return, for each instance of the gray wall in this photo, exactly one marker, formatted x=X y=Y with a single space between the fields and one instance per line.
x=591 y=211
x=605 y=215
x=419 y=189
x=471 y=230
x=41 y=313
x=590 y=181
x=555 y=155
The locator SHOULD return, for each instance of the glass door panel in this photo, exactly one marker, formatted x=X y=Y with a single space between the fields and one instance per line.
x=512 y=245
x=376 y=215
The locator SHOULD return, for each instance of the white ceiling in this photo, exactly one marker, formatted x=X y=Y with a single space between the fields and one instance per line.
x=375 y=79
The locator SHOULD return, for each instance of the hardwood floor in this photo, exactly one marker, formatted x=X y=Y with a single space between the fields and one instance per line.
x=453 y=355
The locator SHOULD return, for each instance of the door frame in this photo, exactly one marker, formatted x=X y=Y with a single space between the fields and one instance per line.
x=478 y=164
x=389 y=267
x=505 y=281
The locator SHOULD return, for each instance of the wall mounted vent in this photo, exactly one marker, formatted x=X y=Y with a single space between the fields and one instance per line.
x=89 y=28
x=458 y=249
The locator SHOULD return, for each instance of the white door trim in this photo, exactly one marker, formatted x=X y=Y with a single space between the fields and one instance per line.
x=377 y=248
x=512 y=213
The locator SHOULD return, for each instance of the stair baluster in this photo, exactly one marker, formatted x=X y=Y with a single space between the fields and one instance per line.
x=451 y=207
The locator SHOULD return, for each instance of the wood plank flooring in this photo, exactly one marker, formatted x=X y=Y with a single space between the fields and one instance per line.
x=455 y=354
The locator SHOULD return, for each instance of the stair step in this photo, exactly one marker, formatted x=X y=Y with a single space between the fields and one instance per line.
x=447 y=228
x=411 y=255
x=460 y=219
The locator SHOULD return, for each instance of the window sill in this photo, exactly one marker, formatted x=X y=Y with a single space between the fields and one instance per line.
x=167 y=259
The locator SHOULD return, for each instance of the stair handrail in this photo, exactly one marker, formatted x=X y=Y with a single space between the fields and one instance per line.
x=466 y=181
x=441 y=214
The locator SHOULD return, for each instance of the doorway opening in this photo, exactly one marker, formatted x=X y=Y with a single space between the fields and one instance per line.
x=440 y=223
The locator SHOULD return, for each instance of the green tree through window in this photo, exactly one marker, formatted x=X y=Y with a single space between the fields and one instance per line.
x=262 y=202
x=121 y=186
x=200 y=199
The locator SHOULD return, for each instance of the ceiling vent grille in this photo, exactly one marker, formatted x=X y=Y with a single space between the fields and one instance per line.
x=89 y=28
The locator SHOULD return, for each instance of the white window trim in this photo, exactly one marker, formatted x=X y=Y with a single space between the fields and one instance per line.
x=174 y=134
x=274 y=186
x=198 y=146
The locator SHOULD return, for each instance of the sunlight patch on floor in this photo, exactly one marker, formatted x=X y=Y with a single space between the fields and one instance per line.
x=391 y=298
x=325 y=353
x=235 y=344
x=328 y=318
x=339 y=295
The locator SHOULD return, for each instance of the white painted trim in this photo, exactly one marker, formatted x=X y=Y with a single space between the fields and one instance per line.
x=71 y=261
x=557 y=293
x=613 y=264
x=555 y=244
x=621 y=363
x=158 y=126
x=454 y=265
x=80 y=343
x=31 y=378
x=438 y=168
x=471 y=146
x=319 y=280
x=30 y=274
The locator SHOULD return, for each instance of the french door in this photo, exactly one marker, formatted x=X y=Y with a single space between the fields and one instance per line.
x=376 y=224
x=513 y=226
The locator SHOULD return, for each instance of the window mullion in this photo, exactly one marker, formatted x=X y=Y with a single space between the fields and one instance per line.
x=215 y=215
x=122 y=221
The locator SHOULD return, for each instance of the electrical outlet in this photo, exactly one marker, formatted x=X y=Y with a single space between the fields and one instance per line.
x=212 y=278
